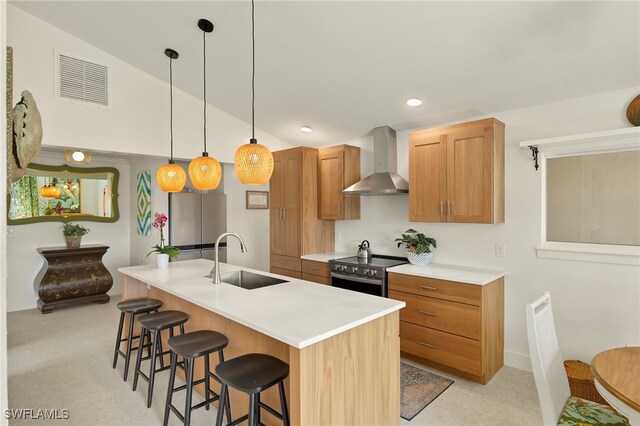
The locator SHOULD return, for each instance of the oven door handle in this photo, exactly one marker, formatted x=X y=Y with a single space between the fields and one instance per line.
x=357 y=279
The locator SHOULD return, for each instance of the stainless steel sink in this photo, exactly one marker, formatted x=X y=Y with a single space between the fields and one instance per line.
x=249 y=280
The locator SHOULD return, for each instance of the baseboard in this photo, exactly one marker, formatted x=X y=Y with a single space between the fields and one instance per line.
x=21 y=304
x=517 y=360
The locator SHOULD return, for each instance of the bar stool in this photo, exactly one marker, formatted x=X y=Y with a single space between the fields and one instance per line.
x=252 y=374
x=191 y=346
x=132 y=307
x=156 y=323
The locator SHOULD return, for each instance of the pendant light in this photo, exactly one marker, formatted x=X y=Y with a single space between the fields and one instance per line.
x=171 y=177
x=253 y=162
x=52 y=190
x=205 y=172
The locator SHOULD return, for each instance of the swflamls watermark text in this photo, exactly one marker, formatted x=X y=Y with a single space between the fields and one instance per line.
x=36 y=414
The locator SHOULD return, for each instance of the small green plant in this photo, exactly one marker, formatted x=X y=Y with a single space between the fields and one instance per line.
x=70 y=229
x=416 y=242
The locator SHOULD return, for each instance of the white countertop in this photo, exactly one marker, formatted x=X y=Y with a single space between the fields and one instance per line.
x=463 y=274
x=326 y=257
x=298 y=313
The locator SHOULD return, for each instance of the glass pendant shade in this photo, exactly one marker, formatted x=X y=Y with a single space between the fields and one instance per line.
x=205 y=173
x=254 y=164
x=171 y=178
x=50 y=191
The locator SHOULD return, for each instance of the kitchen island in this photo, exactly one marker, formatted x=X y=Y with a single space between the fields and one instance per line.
x=343 y=347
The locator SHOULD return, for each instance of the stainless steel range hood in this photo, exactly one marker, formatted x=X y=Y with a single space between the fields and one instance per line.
x=385 y=180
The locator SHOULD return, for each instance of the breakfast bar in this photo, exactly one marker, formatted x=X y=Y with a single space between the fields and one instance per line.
x=343 y=347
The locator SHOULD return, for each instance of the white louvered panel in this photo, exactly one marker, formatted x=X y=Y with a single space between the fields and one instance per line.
x=83 y=81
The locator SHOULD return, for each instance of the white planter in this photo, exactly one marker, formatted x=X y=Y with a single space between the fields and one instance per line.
x=162 y=260
x=422 y=259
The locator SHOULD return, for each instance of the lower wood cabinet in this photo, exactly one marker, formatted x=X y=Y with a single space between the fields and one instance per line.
x=318 y=272
x=456 y=327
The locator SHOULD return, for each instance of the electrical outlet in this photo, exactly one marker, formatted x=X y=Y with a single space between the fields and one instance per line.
x=500 y=249
x=9 y=233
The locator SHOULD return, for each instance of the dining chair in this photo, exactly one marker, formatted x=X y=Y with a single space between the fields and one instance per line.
x=557 y=404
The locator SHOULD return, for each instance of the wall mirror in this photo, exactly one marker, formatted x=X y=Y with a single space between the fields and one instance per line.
x=63 y=194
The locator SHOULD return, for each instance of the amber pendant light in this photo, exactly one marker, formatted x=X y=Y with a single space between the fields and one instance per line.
x=253 y=162
x=50 y=191
x=171 y=177
x=205 y=172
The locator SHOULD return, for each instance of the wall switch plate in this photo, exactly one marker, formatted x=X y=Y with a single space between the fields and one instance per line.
x=9 y=233
x=500 y=249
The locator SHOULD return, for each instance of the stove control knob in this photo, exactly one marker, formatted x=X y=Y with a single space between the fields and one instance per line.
x=354 y=269
x=343 y=268
x=365 y=271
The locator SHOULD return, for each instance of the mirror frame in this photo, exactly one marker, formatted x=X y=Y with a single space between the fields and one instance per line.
x=58 y=218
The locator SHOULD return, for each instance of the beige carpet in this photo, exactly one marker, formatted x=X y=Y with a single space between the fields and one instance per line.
x=418 y=388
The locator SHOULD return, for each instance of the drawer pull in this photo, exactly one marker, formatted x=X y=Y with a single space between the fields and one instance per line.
x=426 y=287
x=431 y=314
x=315 y=268
x=428 y=345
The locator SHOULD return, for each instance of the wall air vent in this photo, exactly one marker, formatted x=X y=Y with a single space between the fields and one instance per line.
x=82 y=81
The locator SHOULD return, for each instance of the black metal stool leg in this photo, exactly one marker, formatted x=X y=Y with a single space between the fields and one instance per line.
x=226 y=401
x=252 y=409
x=136 y=373
x=207 y=384
x=222 y=404
x=160 y=346
x=172 y=380
x=189 y=390
x=257 y=408
x=283 y=402
x=129 y=345
x=118 y=339
x=152 y=369
x=181 y=328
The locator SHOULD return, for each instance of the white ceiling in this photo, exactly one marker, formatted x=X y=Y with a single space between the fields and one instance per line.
x=346 y=67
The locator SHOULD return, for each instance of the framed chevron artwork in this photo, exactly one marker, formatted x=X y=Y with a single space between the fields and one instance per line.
x=143 y=203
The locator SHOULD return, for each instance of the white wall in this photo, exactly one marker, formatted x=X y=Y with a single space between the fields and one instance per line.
x=25 y=262
x=4 y=401
x=137 y=121
x=596 y=305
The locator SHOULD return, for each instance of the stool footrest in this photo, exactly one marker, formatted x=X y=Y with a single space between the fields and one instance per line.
x=271 y=410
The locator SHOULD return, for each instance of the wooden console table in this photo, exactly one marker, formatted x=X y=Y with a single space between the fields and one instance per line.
x=71 y=276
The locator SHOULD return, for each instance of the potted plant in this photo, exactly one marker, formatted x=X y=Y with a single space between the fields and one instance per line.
x=418 y=247
x=163 y=252
x=73 y=234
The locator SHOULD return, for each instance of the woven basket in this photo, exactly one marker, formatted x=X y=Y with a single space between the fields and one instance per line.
x=581 y=381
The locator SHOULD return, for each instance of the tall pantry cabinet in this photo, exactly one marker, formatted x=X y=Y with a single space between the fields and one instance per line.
x=295 y=229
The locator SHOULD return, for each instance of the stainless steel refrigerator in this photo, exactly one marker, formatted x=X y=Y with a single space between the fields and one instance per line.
x=195 y=222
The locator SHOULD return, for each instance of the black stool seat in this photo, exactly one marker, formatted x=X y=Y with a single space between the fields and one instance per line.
x=198 y=343
x=252 y=373
x=139 y=305
x=163 y=319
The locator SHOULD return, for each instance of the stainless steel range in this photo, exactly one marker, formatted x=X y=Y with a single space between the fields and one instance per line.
x=366 y=277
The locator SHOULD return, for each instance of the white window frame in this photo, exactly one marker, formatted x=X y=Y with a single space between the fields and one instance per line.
x=619 y=140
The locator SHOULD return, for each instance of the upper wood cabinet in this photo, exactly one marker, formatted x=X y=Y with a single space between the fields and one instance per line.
x=295 y=229
x=339 y=168
x=456 y=173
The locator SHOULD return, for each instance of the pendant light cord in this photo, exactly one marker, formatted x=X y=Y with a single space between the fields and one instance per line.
x=171 y=103
x=204 y=67
x=253 y=73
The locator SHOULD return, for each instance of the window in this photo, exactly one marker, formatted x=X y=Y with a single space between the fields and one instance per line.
x=590 y=196
x=594 y=198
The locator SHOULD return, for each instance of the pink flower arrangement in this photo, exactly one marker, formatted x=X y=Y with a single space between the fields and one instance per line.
x=160 y=222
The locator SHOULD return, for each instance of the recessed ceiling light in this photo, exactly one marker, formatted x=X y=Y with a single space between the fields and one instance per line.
x=306 y=129
x=77 y=156
x=414 y=102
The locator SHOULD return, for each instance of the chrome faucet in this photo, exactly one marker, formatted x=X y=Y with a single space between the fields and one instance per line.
x=215 y=272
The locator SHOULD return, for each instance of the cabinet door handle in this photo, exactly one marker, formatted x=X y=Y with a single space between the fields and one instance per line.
x=426 y=287
x=339 y=207
x=441 y=208
x=448 y=208
x=428 y=345
x=315 y=268
x=431 y=314
x=281 y=213
x=284 y=213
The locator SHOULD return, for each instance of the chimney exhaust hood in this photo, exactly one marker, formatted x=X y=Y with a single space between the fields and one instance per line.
x=385 y=180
